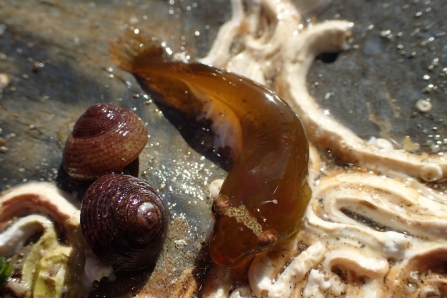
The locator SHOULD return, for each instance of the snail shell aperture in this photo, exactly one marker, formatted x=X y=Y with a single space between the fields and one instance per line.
x=124 y=221
x=105 y=139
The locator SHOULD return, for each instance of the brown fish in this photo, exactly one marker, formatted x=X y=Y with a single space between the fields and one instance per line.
x=265 y=195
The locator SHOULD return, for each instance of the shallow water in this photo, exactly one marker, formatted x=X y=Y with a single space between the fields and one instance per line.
x=399 y=56
x=55 y=53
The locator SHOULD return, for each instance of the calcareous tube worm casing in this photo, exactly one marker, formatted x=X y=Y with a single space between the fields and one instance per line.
x=265 y=195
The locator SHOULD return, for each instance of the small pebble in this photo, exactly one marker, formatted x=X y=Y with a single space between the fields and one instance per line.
x=423 y=105
x=4 y=80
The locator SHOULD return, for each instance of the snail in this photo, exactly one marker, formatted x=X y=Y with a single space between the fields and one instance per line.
x=263 y=200
x=105 y=139
x=124 y=221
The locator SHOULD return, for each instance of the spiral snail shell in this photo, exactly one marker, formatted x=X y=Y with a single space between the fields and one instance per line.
x=124 y=221
x=105 y=139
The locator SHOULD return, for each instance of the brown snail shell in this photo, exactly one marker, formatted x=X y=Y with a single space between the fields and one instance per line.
x=105 y=139
x=124 y=221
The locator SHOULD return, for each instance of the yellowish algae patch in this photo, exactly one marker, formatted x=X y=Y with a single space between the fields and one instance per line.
x=48 y=268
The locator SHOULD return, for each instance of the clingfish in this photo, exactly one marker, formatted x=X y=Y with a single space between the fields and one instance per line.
x=266 y=193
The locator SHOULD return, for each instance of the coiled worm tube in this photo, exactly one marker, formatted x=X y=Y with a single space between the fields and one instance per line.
x=265 y=195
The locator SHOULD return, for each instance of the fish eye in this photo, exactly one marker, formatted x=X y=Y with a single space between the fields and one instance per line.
x=267 y=239
x=220 y=206
x=214 y=209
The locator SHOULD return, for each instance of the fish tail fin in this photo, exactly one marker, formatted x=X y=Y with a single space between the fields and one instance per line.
x=154 y=69
x=133 y=52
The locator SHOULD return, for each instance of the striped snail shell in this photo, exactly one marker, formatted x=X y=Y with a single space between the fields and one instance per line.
x=124 y=221
x=105 y=139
